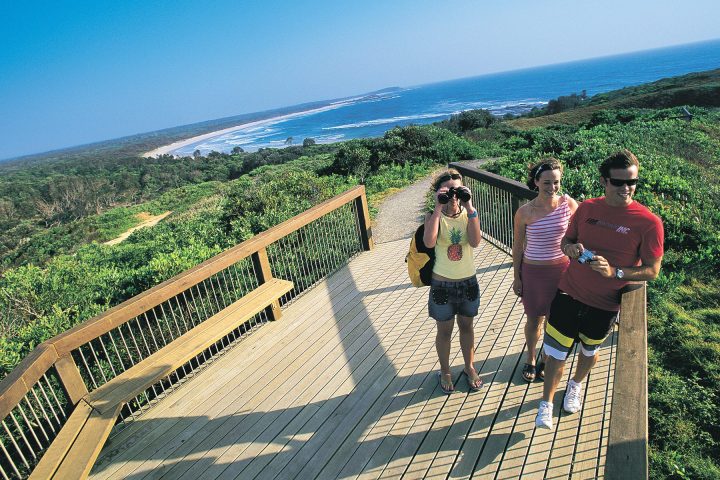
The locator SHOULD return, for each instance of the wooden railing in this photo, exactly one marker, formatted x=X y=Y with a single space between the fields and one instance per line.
x=73 y=369
x=497 y=200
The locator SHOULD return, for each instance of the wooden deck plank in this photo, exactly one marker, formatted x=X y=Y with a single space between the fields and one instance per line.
x=403 y=454
x=344 y=386
x=479 y=450
x=336 y=429
x=333 y=418
x=273 y=441
x=222 y=378
x=229 y=412
x=519 y=442
x=330 y=349
x=420 y=307
x=566 y=431
x=602 y=457
x=566 y=442
x=542 y=441
x=591 y=425
x=353 y=457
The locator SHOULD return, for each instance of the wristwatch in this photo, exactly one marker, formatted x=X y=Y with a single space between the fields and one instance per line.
x=619 y=274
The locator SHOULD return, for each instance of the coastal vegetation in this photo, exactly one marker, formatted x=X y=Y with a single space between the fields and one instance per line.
x=55 y=214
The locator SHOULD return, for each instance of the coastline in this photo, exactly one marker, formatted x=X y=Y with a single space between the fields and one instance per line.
x=168 y=149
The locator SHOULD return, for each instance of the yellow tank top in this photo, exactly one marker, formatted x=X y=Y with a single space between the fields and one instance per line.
x=453 y=253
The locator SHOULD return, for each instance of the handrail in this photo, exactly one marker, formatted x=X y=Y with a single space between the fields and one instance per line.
x=73 y=338
x=37 y=397
x=627 y=453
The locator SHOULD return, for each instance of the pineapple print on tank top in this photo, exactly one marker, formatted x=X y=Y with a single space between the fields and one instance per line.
x=453 y=253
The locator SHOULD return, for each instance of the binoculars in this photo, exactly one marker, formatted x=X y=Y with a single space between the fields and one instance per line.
x=461 y=194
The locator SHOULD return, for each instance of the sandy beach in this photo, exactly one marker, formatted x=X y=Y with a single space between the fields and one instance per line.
x=168 y=149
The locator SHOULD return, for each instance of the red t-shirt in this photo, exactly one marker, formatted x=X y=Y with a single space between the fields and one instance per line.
x=623 y=235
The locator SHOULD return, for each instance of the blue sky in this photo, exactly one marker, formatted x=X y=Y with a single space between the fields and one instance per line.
x=73 y=72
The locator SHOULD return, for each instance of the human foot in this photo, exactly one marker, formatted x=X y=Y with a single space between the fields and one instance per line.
x=446 y=383
x=528 y=372
x=474 y=381
x=544 y=415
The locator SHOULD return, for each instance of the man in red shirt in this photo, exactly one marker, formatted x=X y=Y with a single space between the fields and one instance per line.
x=622 y=241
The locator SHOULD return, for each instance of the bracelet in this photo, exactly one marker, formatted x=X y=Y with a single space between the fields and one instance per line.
x=473 y=215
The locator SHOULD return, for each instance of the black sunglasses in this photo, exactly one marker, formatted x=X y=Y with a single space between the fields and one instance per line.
x=619 y=182
x=453 y=176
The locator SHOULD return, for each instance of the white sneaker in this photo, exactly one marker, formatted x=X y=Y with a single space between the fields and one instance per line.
x=573 y=397
x=544 y=415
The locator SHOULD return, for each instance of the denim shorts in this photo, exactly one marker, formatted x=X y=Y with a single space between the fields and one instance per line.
x=448 y=299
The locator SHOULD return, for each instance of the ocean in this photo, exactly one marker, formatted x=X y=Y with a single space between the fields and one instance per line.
x=371 y=115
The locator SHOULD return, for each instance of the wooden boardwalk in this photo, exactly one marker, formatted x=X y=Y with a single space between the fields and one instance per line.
x=345 y=386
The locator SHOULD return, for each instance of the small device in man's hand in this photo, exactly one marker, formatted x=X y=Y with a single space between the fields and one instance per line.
x=586 y=256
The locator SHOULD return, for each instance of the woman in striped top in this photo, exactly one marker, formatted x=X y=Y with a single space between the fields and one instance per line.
x=538 y=262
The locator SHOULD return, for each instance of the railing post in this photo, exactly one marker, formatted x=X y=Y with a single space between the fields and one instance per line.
x=627 y=453
x=364 y=218
x=515 y=205
x=261 y=262
x=70 y=379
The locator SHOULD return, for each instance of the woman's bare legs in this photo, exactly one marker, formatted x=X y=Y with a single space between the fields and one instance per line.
x=533 y=332
x=442 y=346
x=467 y=346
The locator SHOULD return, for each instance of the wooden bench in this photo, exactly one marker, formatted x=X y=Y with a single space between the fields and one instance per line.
x=78 y=444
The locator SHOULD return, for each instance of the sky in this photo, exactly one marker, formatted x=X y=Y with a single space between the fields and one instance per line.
x=75 y=72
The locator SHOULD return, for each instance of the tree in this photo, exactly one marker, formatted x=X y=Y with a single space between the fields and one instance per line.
x=469 y=120
x=197 y=154
x=7 y=210
x=308 y=142
x=354 y=159
x=289 y=141
x=237 y=150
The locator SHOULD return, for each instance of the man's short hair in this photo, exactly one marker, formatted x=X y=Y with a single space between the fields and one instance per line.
x=621 y=159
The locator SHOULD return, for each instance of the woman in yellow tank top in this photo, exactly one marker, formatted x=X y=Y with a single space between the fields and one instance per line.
x=453 y=229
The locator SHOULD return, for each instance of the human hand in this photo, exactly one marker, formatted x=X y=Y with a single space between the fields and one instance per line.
x=468 y=205
x=602 y=266
x=517 y=287
x=440 y=191
x=573 y=250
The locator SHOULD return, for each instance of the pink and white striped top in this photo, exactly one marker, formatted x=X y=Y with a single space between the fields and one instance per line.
x=543 y=236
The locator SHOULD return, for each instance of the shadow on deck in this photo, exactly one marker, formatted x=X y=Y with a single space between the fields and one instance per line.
x=344 y=385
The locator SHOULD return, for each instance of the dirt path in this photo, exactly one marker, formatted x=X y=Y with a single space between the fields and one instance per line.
x=149 y=221
x=400 y=214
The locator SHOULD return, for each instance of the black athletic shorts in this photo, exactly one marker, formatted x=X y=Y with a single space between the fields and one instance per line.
x=570 y=320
